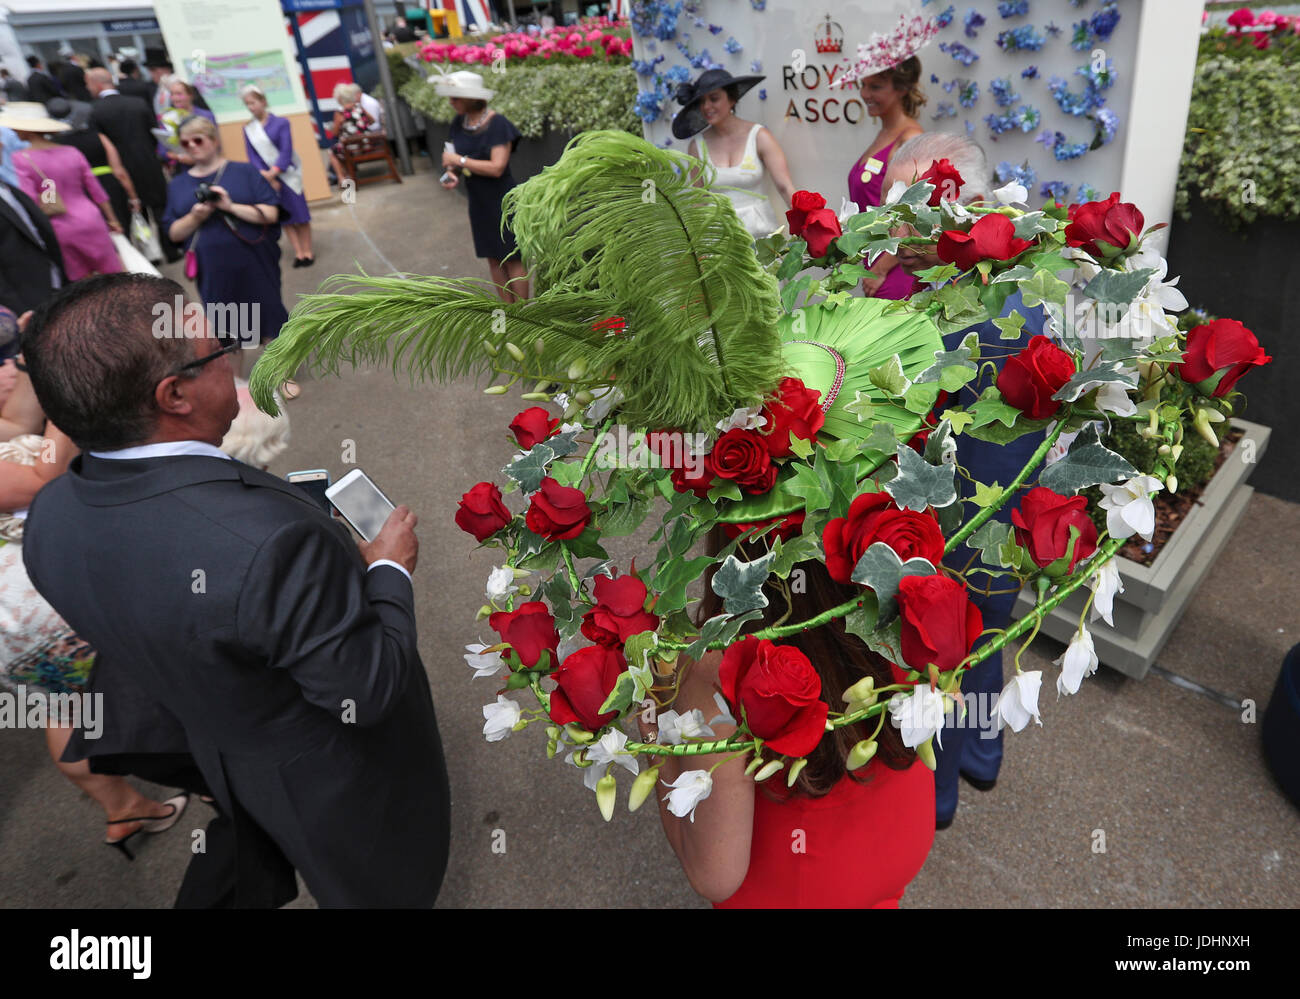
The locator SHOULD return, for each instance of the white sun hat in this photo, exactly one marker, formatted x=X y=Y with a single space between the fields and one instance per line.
x=461 y=84
x=30 y=116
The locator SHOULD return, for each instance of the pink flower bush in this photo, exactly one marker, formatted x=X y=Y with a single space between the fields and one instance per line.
x=597 y=38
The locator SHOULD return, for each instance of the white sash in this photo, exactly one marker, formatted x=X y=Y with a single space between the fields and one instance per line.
x=270 y=152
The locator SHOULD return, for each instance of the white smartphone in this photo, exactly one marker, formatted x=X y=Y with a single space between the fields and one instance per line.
x=313 y=481
x=447 y=176
x=361 y=502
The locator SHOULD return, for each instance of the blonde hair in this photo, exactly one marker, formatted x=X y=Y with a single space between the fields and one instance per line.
x=197 y=123
x=347 y=90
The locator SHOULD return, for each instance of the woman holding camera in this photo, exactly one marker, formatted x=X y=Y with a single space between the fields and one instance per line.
x=228 y=217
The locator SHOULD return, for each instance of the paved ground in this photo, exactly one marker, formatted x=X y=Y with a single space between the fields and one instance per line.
x=1173 y=779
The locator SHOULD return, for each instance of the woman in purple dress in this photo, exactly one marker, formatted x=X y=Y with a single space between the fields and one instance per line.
x=269 y=143
x=60 y=181
x=888 y=74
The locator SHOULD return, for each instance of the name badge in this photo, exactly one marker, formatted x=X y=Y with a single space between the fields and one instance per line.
x=872 y=165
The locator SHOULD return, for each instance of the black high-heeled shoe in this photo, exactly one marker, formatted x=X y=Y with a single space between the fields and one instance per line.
x=150 y=825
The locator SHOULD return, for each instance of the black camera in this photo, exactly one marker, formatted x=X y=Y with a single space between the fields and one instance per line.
x=204 y=194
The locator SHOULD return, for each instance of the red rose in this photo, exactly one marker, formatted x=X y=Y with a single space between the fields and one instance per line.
x=481 y=511
x=791 y=527
x=533 y=426
x=801 y=204
x=1218 y=354
x=1242 y=17
x=699 y=481
x=742 y=457
x=940 y=624
x=1029 y=379
x=529 y=630
x=820 y=229
x=1096 y=225
x=992 y=237
x=1260 y=40
x=1043 y=521
x=619 y=612
x=795 y=411
x=778 y=691
x=874 y=517
x=583 y=681
x=557 y=512
x=946 y=180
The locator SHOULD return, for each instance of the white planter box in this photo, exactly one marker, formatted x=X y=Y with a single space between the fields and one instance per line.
x=1155 y=596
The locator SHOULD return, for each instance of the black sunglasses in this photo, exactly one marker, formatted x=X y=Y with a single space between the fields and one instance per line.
x=194 y=365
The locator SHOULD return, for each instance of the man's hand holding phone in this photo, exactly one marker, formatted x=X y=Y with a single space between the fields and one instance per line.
x=396 y=541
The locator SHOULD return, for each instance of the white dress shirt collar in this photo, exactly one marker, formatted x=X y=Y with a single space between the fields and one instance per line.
x=108 y=92
x=164 y=450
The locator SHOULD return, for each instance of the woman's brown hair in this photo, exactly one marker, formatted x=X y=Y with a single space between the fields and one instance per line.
x=906 y=78
x=840 y=659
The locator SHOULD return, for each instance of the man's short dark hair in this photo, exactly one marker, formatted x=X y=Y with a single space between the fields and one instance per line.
x=94 y=360
x=127 y=67
x=34 y=61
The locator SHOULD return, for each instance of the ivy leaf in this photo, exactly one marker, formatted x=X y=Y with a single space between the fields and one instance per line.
x=790 y=292
x=1010 y=327
x=986 y=495
x=793 y=262
x=861 y=407
x=961 y=301
x=1017 y=273
x=1082 y=382
x=887 y=642
x=841 y=450
x=1032 y=223
x=990 y=408
x=919 y=484
x=940 y=274
x=672 y=580
x=791 y=553
x=719 y=629
x=889 y=377
x=813 y=485
x=944 y=359
x=881 y=569
x=1122 y=348
x=801 y=446
x=1043 y=287
x=586 y=545
x=724 y=489
x=920 y=399
x=625 y=518
x=883 y=438
x=566 y=473
x=949 y=518
x=621 y=696
x=992 y=540
x=959 y=418
x=862 y=621
x=1087 y=463
x=1118 y=286
x=530 y=469
x=740 y=584
x=916 y=195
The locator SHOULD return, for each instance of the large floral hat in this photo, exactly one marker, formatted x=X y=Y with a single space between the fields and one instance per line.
x=683 y=382
x=885 y=51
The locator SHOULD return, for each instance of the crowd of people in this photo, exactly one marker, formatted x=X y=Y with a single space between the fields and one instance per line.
x=294 y=788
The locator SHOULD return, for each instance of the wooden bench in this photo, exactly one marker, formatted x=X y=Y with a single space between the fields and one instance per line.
x=353 y=151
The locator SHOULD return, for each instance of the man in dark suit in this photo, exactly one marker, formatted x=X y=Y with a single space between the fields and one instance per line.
x=31 y=262
x=129 y=82
x=284 y=651
x=128 y=121
x=40 y=85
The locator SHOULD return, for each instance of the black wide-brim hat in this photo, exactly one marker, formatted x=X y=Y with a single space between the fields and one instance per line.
x=690 y=120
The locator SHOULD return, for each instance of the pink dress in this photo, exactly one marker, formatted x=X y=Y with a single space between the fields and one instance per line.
x=82 y=232
x=866 y=183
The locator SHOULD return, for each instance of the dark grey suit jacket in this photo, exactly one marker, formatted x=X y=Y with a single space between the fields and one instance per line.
x=233 y=618
x=127 y=122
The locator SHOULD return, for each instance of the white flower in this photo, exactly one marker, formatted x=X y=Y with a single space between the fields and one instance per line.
x=1078 y=660
x=1129 y=509
x=568 y=646
x=724 y=717
x=604 y=400
x=567 y=428
x=483 y=665
x=743 y=419
x=919 y=716
x=688 y=790
x=847 y=210
x=501 y=718
x=561 y=399
x=674 y=728
x=1105 y=584
x=609 y=749
x=896 y=192
x=1018 y=701
x=1113 y=397
x=1012 y=194
x=501 y=583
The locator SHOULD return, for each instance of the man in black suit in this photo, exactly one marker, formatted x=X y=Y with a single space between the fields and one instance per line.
x=284 y=651
x=31 y=262
x=127 y=121
x=40 y=85
x=130 y=83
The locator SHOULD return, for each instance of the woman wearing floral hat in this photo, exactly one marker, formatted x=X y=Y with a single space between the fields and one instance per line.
x=742 y=152
x=478 y=149
x=887 y=73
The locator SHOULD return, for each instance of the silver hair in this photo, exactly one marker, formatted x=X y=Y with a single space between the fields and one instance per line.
x=254 y=89
x=347 y=90
x=961 y=152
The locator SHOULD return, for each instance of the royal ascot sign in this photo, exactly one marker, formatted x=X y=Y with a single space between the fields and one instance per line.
x=1071 y=100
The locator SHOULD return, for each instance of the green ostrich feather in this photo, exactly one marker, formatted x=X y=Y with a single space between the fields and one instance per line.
x=615 y=228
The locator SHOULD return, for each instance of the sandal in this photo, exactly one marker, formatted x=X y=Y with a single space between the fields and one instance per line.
x=150 y=825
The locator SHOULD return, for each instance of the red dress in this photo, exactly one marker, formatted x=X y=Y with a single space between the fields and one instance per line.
x=856 y=848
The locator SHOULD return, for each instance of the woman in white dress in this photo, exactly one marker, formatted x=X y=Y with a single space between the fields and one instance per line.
x=741 y=152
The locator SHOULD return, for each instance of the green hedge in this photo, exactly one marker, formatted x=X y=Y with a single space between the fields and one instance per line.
x=1243 y=131
x=569 y=97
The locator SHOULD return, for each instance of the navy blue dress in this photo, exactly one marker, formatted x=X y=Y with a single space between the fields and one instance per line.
x=241 y=267
x=485 y=193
